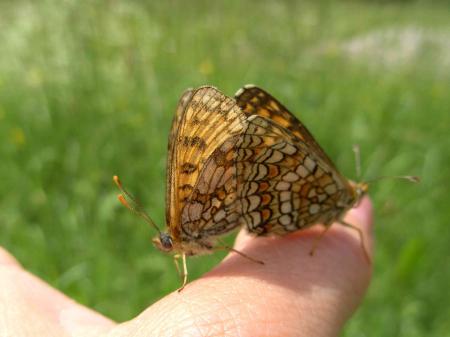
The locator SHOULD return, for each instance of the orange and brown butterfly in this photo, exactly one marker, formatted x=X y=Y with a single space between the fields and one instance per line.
x=244 y=161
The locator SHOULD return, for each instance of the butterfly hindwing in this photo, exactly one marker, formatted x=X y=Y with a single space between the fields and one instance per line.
x=282 y=185
x=210 y=210
x=207 y=120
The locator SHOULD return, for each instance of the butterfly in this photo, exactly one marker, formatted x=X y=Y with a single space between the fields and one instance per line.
x=248 y=162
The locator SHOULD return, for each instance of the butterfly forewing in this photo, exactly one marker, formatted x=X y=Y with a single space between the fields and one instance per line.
x=171 y=172
x=255 y=101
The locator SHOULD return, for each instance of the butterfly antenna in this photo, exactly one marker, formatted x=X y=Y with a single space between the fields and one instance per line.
x=357 y=152
x=413 y=179
x=130 y=202
x=364 y=185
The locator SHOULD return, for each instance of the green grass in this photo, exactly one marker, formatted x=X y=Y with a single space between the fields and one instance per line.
x=88 y=90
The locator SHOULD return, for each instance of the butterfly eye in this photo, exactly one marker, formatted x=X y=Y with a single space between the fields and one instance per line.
x=166 y=241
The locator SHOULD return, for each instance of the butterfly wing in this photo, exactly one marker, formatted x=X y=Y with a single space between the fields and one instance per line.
x=181 y=107
x=283 y=184
x=200 y=170
x=255 y=101
x=210 y=210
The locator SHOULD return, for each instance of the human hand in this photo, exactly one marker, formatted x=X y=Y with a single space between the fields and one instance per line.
x=293 y=294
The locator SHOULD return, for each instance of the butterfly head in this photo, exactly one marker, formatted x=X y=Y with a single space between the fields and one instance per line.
x=163 y=242
x=360 y=189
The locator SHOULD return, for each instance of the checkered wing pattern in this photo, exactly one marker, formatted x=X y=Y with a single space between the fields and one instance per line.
x=255 y=101
x=285 y=180
x=201 y=170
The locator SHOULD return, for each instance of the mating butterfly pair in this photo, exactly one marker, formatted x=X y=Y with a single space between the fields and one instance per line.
x=247 y=162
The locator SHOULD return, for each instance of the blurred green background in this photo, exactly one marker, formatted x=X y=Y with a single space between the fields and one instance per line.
x=88 y=89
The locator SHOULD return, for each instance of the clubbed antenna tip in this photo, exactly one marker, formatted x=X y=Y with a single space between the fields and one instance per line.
x=130 y=202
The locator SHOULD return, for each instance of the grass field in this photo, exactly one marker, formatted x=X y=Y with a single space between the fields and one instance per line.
x=88 y=89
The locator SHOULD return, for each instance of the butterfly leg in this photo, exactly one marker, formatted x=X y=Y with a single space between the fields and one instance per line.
x=230 y=249
x=183 y=273
x=175 y=261
x=317 y=240
x=361 y=238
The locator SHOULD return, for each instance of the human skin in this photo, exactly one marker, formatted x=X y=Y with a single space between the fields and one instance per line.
x=292 y=294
